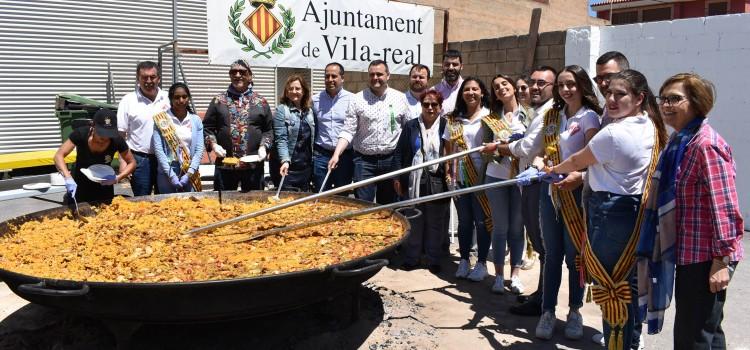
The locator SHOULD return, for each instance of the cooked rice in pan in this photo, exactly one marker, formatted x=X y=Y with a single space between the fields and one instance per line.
x=144 y=242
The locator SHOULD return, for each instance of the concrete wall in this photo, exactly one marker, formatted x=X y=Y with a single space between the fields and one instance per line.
x=478 y=19
x=715 y=47
x=485 y=58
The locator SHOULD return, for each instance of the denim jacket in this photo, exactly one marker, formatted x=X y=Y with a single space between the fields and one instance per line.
x=164 y=155
x=286 y=129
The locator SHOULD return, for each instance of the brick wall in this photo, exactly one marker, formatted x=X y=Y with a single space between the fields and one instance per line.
x=485 y=58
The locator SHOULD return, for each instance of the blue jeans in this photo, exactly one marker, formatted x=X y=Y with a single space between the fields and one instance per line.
x=165 y=186
x=611 y=219
x=471 y=217
x=341 y=176
x=143 y=179
x=505 y=204
x=369 y=166
x=558 y=246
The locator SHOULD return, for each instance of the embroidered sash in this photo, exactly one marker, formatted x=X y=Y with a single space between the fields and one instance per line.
x=613 y=292
x=571 y=212
x=467 y=169
x=166 y=127
x=502 y=131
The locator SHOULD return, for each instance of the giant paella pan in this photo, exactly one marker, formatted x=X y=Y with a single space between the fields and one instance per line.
x=131 y=262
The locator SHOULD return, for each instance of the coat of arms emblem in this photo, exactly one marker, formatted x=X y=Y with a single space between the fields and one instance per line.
x=270 y=34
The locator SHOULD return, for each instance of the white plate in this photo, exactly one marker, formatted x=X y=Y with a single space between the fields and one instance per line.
x=98 y=172
x=37 y=186
x=250 y=159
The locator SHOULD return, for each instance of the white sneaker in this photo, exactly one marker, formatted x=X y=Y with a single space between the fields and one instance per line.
x=516 y=286
x=574 y=325
x=499 y=286
x=463 y=269
x=478 y=273
x=546 y=325
x=598 y=338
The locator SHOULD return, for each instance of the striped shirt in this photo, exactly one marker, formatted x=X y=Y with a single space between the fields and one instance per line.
x=709 y=223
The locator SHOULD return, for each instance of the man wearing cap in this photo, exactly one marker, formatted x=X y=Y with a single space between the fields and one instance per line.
x=136 y=125
x=96 y=144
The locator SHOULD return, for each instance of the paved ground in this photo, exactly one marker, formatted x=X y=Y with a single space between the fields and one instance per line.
x=399 y=310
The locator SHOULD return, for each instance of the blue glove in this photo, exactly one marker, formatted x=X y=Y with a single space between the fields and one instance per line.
x=515 y=137
x=524 y=178
x=185 y=181
x=175 y=181
x=551 y=177
x=109 y=180
x=71 y=186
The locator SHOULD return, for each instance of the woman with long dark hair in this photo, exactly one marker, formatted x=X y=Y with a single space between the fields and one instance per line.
x=178 y=144
x=294 y=134
x=506 y=121
x=619 y=159
x=463 y=132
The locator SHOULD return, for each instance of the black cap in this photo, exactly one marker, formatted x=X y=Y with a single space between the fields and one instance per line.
x=105 y=123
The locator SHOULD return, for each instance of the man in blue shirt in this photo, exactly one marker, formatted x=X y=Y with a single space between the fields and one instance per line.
x=330 y=108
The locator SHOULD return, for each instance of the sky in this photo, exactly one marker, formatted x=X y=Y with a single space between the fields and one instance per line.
x=592 y=13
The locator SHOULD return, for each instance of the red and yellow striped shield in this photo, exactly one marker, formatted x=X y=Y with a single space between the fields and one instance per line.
x=263 y=24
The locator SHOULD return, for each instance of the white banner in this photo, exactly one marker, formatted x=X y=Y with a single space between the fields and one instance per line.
x=313 y=33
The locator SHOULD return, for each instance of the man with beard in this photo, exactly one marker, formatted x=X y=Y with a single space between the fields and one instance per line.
x=373 y=126
x=419 y=75
x=238 y=122
x=135 y=123
x=448 y=87
x=330 y=108
x=540 y=84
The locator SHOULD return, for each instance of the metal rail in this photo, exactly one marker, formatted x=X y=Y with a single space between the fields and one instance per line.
x=330 y=192
x=401 y=204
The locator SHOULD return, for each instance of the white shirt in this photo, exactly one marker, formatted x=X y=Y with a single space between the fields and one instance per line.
x=532 y=144
x=472 y=136
x=623 y=153
x=135 y=116
x=373 y=123
x=414 y=106
x=573 y=130
x=183 y=129
x=502 y=169
x=450 y=94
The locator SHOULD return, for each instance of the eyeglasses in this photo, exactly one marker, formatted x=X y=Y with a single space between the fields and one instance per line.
x=604 y=78
x=670 y=100
x=240 y=71
x=430 y=104
x=540 y=83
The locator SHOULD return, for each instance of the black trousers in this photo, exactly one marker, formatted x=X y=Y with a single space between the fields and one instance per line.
x=699 y=312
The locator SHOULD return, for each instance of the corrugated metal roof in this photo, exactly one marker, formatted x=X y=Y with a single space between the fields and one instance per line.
x=54 y=46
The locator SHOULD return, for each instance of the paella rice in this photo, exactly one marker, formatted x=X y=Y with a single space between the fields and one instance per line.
x=143 y=241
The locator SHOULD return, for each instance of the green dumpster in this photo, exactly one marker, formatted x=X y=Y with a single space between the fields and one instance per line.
x=73 y=111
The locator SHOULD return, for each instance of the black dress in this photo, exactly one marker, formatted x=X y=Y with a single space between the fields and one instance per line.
x=90 y=191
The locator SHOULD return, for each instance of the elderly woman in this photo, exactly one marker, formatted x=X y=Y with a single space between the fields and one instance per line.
x=696 y=211
x=96 y=144
x=419 y=142
x=618 y=168
x=509 y=118
x=294 y=133
x=463 y=132
x=178 y=144
x=238 y=122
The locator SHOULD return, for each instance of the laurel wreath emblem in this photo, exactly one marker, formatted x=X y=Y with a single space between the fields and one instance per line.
x=283 y=41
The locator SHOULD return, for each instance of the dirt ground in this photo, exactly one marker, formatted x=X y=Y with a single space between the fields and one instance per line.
x=398 y=310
